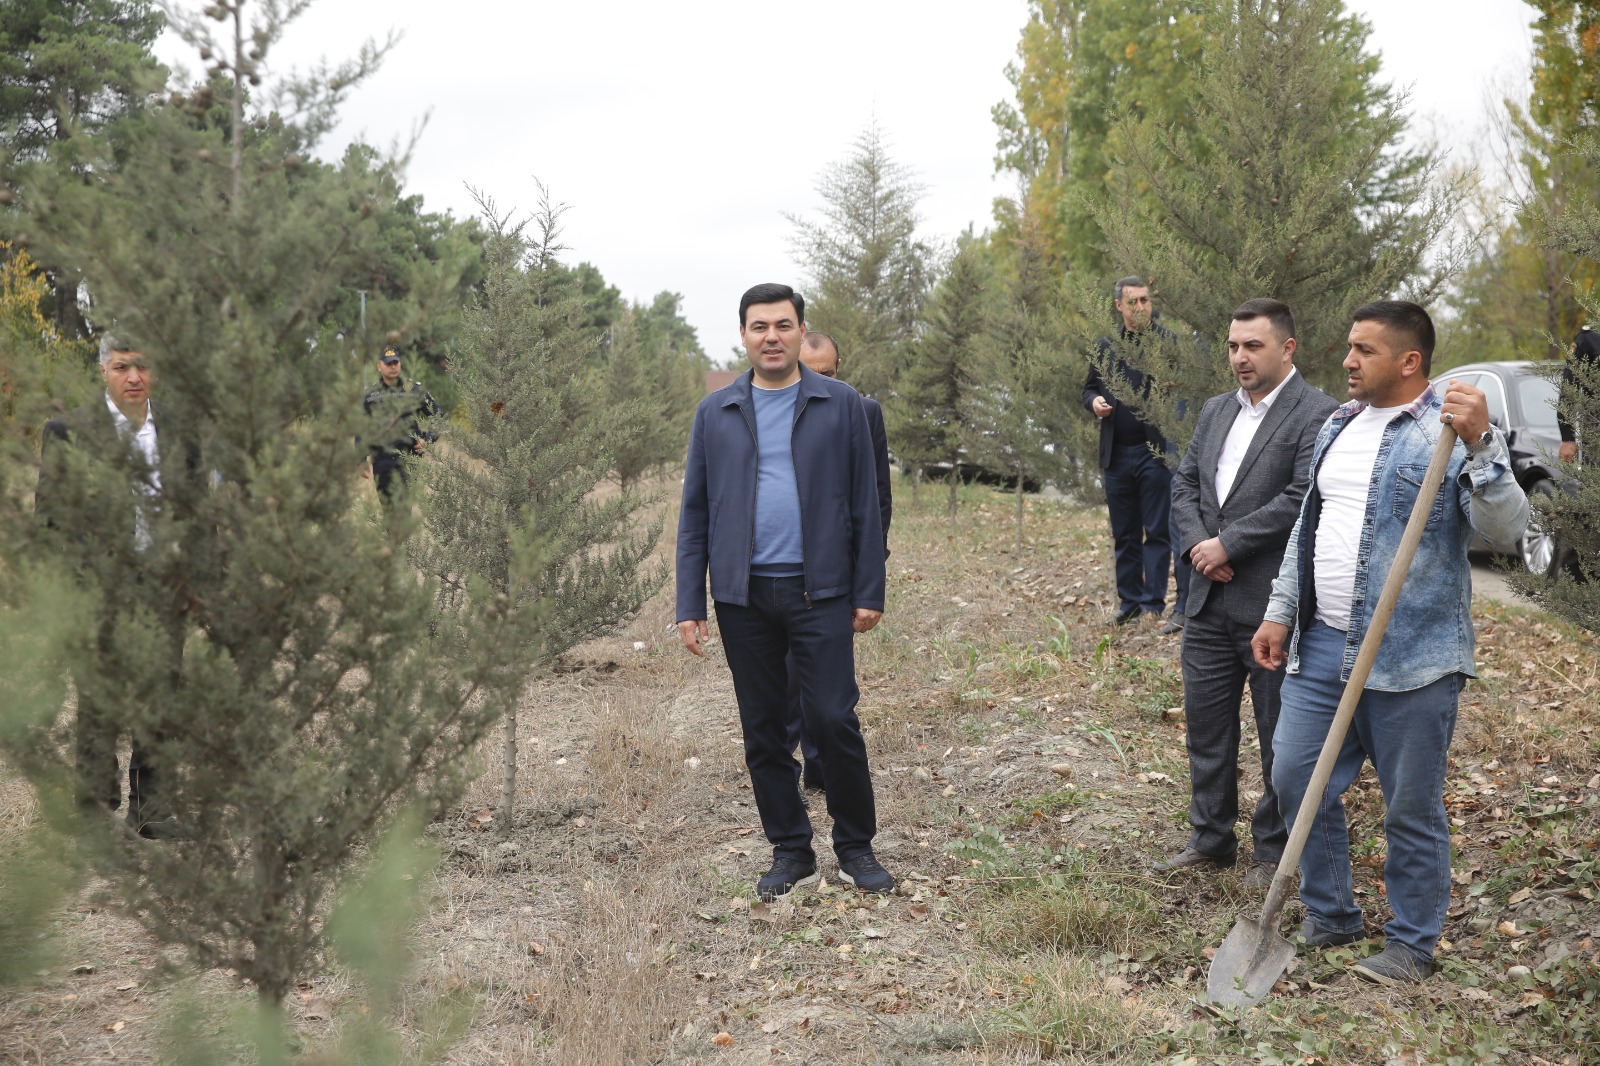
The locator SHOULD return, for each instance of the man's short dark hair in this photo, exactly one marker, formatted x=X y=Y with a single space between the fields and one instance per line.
x=815 y=338
x=1132 y=281
x=1408 y=322
x=1275 y=311
x=772 y=293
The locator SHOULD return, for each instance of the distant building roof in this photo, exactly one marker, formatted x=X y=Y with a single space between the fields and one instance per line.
x=716 y=379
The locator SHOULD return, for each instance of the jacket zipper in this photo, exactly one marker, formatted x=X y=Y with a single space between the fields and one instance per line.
x=805 y=577
x=755 y=490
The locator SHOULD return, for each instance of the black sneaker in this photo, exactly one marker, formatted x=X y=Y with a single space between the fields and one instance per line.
x=1318 y=937
x=1395 y=965
x=865 y=872
x=786 y=875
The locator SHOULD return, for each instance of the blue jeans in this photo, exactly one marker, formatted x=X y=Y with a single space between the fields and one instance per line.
x=1139 y=499
x=761 y=641
x=1407 y=737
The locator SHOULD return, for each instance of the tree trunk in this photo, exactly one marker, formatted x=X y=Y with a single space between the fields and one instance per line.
x=508 y=775
x=955 y=480
x=1019 y=513
x=916 y=485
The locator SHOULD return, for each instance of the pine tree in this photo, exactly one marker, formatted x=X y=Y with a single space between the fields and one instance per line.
x=867 y=271
x=1287 y=179
x=931 y=411
x=521 y=468
x=646 y=370
x=1029 y=409
x=294 y=679
x=70 y=69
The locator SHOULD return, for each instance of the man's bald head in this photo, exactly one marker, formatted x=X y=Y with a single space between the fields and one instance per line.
x=821 y=354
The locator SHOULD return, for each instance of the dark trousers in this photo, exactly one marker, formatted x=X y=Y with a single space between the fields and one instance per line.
x=800 y=737
x=391 y=479
x=760 y=640
x=1216 y=664
x=1139 y=498
x=96 y=733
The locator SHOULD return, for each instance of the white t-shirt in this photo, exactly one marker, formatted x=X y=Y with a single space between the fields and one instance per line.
x=1343 y=481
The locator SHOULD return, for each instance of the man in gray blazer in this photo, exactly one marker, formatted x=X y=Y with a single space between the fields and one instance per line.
x=1235 y=499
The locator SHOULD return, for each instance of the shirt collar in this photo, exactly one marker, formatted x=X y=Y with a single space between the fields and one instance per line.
x=120 y=420
x=1427 y=399
x=1243 y=396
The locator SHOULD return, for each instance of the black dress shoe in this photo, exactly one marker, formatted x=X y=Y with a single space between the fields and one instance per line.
x=1126 y=615
x=1189 y=858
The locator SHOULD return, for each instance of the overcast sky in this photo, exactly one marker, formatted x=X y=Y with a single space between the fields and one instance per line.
x=680 y=134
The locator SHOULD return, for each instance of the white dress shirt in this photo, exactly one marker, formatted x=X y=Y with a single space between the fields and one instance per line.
x=1243 y=431
x=144 y=442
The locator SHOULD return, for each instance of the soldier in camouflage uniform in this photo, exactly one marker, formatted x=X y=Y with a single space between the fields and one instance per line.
x=396 y=411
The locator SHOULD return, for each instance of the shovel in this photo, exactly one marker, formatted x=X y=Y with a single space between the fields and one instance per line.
x=1254 y=955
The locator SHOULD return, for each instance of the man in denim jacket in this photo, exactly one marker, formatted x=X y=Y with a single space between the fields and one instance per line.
x=1366 y=472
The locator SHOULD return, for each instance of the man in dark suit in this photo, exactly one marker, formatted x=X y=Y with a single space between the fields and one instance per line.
x=126 y=431
x=1236 y=496
x=821 y=353
x=1138 y=483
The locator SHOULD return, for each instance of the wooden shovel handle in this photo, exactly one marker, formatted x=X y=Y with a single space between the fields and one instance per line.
x=1357 y=684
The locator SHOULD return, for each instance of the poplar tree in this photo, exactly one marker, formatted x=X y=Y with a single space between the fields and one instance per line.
x=1288 y=179
x=270 y=641
x=529 y=448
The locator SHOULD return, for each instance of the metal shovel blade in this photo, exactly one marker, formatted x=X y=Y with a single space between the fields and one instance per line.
x=1247 y=965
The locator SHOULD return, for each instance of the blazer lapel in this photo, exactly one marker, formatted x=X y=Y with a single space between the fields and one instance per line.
x=1211 y=448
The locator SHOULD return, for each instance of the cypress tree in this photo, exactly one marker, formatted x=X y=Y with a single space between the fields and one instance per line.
x=529 y=448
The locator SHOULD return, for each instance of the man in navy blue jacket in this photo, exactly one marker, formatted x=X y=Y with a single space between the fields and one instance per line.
x=780 y=504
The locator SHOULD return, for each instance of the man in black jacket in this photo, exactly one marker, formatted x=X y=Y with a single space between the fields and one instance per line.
x=821 y=353
x=396 y=411
x=122 y=429
x=780 y=504
x=1138 y=483
x=1585 y=355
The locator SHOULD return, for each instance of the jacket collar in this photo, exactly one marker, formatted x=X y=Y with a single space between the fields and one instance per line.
x=813 y=386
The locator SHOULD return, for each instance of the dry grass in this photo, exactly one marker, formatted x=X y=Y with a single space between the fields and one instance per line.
x=613 y=924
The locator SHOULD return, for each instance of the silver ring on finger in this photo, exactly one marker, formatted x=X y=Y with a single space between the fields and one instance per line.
x=1449 y=417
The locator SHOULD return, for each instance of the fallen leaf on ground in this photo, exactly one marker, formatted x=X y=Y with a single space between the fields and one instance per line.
x=722 y=1040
